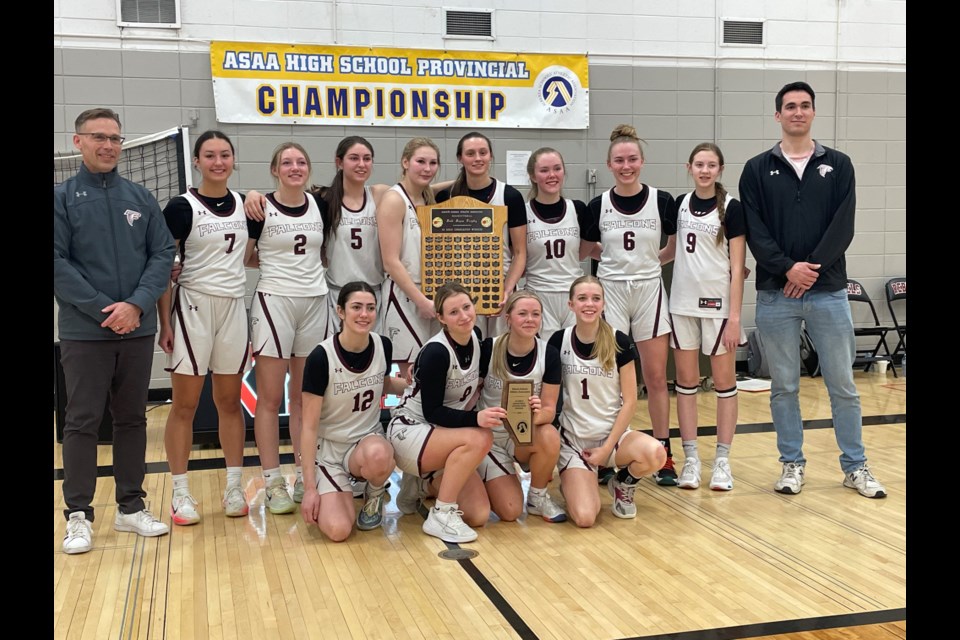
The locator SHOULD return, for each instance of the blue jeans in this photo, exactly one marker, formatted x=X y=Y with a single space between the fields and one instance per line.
x=828 y=321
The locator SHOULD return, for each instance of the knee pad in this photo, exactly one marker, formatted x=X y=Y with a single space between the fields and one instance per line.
x=726 y=393
x=687 y=391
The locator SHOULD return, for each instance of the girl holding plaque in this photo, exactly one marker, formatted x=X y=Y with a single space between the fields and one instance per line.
x=599 y=388
x=446 y=375
x=520 y=356
x=628 y=222
x=343 y=381
x=407 y=316
x=705 y=301
x=554 y=250
x=475 y=155
x=288 y=316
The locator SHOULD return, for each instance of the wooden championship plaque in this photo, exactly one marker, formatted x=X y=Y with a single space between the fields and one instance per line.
x=516 y=402
x=462 y=240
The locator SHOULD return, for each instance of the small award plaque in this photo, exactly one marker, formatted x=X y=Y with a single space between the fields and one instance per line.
x=519 y=420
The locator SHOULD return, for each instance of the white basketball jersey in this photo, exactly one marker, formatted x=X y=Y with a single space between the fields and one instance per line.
x=591 y=394
x=630 y=241
x=410 y=245
x=492 y=393
x=701 y=272
x=460 y=383
x=213 y=251
x=553 y=250
x=354 y=251
x=290 y=262
x=351 y=403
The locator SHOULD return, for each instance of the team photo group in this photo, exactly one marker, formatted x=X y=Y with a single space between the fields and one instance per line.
x=339 y=305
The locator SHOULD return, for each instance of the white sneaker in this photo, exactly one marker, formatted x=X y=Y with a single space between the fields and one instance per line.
x=545 y=507
x=183 y=510
x=235 y=502
x=79 y=535
x=863 y=481
x=278 y=498
x=141 y=523
x=722 y=478
x=410 y=494
x=791 y=479
x=298 y=490
x=448 y=525
x=690 y=475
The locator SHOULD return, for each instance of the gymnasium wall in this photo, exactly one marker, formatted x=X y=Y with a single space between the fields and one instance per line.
x=665 y=74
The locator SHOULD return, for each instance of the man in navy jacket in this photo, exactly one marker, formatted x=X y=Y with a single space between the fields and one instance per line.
x=800 y=199
x=112 y=254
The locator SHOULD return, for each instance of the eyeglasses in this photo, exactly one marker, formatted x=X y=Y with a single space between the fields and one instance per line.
x=101 y=138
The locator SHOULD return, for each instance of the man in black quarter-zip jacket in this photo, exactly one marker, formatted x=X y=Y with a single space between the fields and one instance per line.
x=112 y=254
x=799 y=199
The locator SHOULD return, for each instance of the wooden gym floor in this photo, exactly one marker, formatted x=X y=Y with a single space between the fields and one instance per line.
x=694 y=565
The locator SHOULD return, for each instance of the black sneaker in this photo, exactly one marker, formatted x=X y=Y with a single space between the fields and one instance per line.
x=667 y=476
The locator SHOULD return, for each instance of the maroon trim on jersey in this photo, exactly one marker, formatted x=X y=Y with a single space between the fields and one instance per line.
x=246 y=357
x=208 y=199
x=502 y=468
x=329 y=478
x=673 y=335
x=453 y=347
x=363 y=205
x=566 y=441
x=573 y=344
x=273 y=328
x=492 y=187
x=557 y=220
x=533 y=361
x=656 y=318
x=423 y=450
x=343 y=360
x=293 y=212
x=393 y=299
x=178 y=312
x=410 y=201
x=643 y=203
x=716 y=345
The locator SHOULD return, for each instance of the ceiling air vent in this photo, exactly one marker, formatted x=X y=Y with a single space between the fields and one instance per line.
x=148 y=13
x=469 y=24
x=742 y=32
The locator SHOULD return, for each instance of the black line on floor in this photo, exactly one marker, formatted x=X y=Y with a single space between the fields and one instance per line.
x=287 y=458
x=779 y=627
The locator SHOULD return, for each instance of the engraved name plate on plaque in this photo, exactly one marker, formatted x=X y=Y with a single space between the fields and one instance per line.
x=516 y=402
x=462 y=240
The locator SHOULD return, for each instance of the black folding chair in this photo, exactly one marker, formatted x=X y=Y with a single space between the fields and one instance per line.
x=857 y=296
x=896 y=291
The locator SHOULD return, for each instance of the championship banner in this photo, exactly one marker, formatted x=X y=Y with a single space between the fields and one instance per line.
x=263 y=83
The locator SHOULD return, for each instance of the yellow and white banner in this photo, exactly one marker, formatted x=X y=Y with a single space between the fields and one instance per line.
x=296 y=84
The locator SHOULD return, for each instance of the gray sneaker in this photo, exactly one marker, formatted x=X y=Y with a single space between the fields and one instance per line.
x=545 y=507
x=371 y=515
x=623 y=505
x=278 y=498
x=791 y=479
x=410 y=494
x=298 y=490
x=863 y=481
